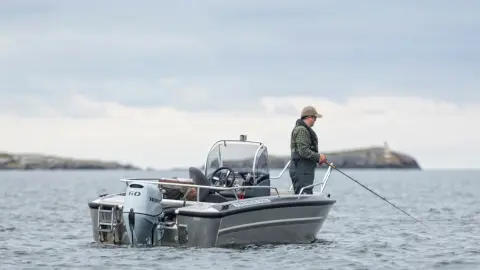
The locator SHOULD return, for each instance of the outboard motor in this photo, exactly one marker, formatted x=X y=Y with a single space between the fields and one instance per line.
x=142 y=211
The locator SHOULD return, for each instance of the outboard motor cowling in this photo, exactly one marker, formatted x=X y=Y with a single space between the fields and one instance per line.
x=142 y=211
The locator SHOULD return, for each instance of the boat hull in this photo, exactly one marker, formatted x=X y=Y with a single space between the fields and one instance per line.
x=266 y=220
x=277 y=223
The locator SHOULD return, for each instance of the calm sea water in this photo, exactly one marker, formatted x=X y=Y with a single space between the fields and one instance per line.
x=45 y=224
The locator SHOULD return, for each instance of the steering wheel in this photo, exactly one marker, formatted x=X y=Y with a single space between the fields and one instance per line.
x=222 y=180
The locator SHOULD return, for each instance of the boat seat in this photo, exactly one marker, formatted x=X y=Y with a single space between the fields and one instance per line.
x=205 y=195
x=200 y=179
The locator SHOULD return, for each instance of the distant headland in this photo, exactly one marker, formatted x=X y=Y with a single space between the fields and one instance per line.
x=11 y=161
x=363 y=158
x=380 y=157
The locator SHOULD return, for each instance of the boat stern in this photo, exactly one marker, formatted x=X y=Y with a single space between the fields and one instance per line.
x=106 y=219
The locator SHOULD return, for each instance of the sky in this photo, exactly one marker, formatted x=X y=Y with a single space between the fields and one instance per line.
x=155 y=83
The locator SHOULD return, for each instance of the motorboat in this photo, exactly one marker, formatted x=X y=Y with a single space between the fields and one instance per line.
x=229 y=202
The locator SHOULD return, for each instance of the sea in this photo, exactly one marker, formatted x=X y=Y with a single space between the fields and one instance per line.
x=45 y=224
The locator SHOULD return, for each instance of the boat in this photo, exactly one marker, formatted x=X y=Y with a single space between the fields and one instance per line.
x=230 y=202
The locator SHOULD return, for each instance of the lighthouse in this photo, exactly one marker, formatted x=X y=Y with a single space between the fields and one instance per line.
x=387 y=154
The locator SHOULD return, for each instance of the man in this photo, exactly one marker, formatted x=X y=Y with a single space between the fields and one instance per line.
x=304 y=151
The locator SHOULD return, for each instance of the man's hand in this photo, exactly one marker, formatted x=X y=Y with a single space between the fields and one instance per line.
x=322 y=159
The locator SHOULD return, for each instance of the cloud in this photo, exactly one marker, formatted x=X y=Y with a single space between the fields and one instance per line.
x=251 y=49
x=128 y=80
x=439 y=134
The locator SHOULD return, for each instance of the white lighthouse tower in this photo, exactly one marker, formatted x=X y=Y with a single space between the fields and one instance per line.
x=387 y=154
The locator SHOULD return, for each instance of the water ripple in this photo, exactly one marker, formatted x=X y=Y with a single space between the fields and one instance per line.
x=45 y=225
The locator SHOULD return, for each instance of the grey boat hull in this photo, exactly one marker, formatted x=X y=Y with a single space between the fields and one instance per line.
x=289 y=219
x=279 y=222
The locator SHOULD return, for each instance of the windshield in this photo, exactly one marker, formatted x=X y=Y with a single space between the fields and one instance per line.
x=239 y=156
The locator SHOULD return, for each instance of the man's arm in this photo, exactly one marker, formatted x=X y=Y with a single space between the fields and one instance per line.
x=303 y=141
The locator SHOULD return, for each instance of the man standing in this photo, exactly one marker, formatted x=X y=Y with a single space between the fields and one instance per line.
x=304 y=151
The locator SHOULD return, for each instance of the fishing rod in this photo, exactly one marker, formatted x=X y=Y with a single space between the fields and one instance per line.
x=333 y=166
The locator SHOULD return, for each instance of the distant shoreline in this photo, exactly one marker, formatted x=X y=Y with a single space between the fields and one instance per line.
x=364 y=158
x=361 y=158
x=25 y=162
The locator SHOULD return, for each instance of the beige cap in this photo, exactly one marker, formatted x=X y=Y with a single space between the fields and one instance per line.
x=310 y=111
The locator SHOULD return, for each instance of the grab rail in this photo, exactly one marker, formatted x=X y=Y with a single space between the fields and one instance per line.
x=198 y=187
x=323 y=183
x=281 y=173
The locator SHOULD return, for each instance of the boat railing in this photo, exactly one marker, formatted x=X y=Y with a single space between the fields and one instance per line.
x=281 y=173
x=166 y=182
x=322 y=184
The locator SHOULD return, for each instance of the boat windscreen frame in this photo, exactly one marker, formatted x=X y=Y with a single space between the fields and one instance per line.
x=261 y=146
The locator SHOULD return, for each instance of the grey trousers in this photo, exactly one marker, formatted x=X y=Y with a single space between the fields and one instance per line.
x=302 y=174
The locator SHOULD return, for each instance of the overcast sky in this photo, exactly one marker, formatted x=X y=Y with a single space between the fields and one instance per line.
x=156 y=82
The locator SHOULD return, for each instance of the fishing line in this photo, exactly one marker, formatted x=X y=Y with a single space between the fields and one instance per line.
x=333 y=166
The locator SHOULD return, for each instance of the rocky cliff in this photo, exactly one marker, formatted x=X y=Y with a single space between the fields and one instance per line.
x=365 y=158
x=9 y=161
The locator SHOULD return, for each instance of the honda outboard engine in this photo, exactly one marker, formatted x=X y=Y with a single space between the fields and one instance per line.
x=142 y=211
